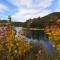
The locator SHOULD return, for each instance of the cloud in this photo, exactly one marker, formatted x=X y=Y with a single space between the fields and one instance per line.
x=24 y=14
x=3 y=8
x=30 y=8
x=31 y=3
x=42 y=4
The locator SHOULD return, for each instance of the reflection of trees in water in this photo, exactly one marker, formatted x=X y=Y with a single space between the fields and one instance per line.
x=38 y=53
x=36 y=34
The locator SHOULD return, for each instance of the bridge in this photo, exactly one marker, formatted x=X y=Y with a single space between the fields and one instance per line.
x=33 y=28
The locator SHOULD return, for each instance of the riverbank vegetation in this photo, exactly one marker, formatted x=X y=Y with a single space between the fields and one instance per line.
x=11 y=46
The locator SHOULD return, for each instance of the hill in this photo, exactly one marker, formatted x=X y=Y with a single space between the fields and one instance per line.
x=42 y=22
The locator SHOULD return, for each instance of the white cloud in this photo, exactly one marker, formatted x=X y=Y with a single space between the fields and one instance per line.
x=24 y=14
x=31 y=3
x=19 y=3
x=42 y=4
x=3 y=8
x=29 y=8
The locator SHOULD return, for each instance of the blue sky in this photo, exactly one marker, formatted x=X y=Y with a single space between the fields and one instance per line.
x=21 y=10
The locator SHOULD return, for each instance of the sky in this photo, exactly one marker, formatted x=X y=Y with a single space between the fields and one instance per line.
x=22 y=10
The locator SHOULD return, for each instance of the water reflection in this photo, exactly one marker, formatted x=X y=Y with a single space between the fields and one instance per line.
x=36 y=34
